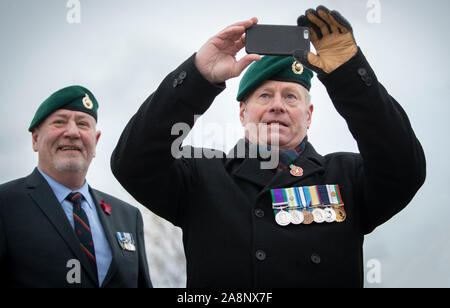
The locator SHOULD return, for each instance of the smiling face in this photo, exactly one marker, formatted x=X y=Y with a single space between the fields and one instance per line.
x=277 y=111
x=65 y=141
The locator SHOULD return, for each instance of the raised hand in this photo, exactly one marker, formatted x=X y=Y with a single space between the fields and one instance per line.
x=216 y=60
x=332 y=37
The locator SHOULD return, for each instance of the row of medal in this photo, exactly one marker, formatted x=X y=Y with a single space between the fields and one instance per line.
x=126 y=241
x=305 y=205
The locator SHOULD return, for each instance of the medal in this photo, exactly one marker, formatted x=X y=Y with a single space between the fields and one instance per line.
x=308 y=217
x=308 y=204
x=341 y=216
x=126 y=241
x=283 y=218
x=319 y=216
x=330 y=215
x=296 y=217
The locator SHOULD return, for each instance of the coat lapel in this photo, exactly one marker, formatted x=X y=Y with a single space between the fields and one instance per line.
x=108 y=228
x=250 y=170
x=43 y=196
x=311 y=163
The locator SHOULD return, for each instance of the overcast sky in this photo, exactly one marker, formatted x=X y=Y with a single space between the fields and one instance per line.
x=122 y=50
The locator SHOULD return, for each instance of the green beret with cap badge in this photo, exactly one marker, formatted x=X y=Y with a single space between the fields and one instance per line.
x=76 y=98
x=277 y=68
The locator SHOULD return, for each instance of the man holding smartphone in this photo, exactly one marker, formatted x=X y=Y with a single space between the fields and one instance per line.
x=301 y=223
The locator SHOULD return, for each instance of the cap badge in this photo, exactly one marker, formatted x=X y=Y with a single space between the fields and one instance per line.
x=87 y=102
x=297 y=68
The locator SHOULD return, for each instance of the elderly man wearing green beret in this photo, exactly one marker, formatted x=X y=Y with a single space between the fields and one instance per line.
x=302 y=222
x=56 y=230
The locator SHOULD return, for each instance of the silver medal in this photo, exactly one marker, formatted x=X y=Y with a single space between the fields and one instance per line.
x=297 y=217
x=283 y=218
x=319 y=216
x=330 y=215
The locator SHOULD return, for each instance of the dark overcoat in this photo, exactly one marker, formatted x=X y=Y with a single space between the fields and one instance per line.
x=223 y=205
x=37 y=242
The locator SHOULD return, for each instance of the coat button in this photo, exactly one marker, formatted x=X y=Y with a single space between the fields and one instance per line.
x=175 y=83
x=260 y=255
x=259 y=213
x=362 y=71
x=315 y=258
x=182 y=75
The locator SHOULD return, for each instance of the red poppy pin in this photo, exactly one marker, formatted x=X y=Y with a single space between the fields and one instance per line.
x=106 y=207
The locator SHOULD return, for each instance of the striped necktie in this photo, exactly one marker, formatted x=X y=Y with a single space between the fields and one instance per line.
x=82 y=228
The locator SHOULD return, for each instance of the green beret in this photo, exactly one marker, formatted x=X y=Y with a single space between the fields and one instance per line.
x=74 y=98
x=273 y=68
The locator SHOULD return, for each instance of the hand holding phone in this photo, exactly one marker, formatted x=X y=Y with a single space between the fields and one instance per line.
x=216 y=59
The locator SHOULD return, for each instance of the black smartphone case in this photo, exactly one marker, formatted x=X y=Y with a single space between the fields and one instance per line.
x=276 y=40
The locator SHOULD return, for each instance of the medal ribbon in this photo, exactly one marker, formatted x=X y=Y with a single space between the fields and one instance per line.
x=323 y=194
x=279 y=199
x=307 y=198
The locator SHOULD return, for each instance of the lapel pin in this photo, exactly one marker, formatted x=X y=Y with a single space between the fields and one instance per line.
x=296 y=171
x=105 y=207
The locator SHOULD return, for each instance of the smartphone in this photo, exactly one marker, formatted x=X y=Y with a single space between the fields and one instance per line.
x=275 y=40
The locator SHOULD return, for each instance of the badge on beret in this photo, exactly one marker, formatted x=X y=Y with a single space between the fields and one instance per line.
x=297 y=68
x=87 y=102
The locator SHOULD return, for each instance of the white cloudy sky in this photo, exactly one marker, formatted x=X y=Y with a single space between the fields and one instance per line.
x=122 y=50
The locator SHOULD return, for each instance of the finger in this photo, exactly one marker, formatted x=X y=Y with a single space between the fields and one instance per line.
x=309 y=60
x=339 y=19
x=314 y=60
x=239 y=44
x=246 y=23
x=315 y=32
x=315 y=19
x=243 y=63
x=324 y=13
x=233 y=33
x=334 y=23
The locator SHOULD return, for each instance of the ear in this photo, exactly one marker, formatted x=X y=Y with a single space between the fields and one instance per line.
x=97 y=137
x=309 y=115
x=34 y=139
x=242 y=110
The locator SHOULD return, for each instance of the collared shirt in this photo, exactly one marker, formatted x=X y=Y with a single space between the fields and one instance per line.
x=103 y=253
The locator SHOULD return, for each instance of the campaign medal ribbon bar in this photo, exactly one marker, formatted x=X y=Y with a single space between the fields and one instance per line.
x=308 y=204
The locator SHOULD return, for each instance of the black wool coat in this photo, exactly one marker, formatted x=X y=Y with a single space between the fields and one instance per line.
x=223 y=205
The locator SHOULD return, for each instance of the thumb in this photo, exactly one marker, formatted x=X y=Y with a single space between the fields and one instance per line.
x=309 y=60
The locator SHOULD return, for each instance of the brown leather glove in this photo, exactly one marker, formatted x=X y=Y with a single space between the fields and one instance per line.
x=332 y=37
